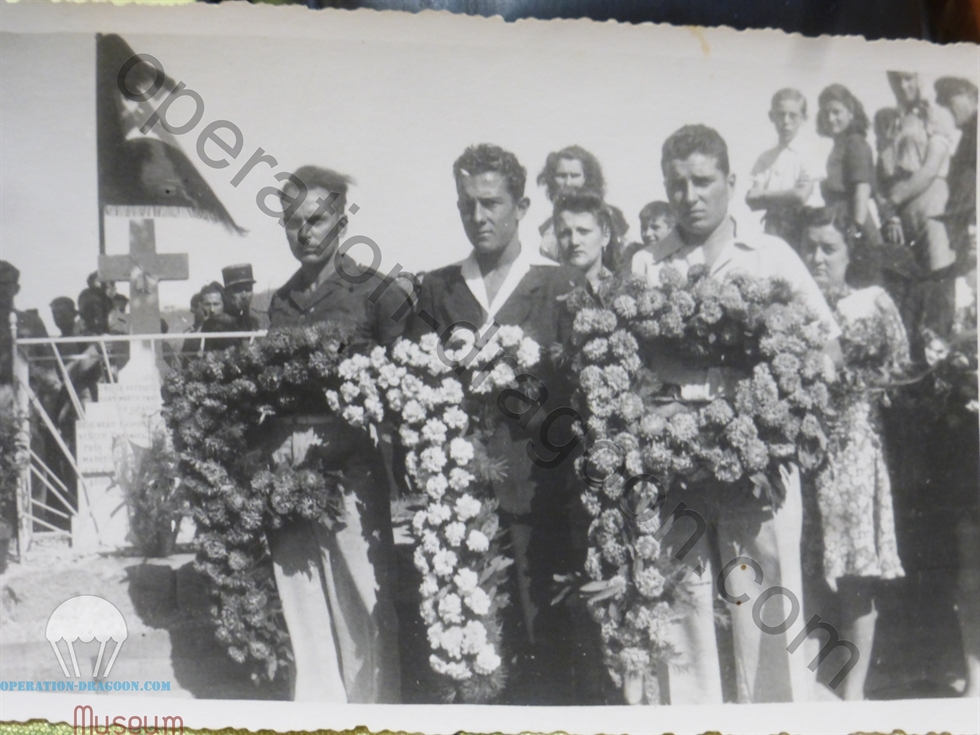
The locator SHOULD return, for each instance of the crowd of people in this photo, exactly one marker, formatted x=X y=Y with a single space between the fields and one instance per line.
x=885 y=233
x=101 y=310
x=891 y=240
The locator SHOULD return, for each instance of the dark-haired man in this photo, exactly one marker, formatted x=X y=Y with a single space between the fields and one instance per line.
x=504 y=282
x=236 y=314
x=208 y=317
x=335 y=583
x=65 y=316
x=700 y=187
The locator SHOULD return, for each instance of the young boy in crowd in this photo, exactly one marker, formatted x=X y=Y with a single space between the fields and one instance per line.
x=784 y=178
x=656 y=221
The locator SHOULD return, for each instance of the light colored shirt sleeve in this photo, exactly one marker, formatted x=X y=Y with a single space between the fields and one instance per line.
x=642 y=264
x=785 y=263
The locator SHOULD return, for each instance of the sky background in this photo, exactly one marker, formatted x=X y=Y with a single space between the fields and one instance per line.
x=394 y=113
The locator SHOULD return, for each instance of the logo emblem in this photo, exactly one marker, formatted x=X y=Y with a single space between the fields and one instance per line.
x=84 y=618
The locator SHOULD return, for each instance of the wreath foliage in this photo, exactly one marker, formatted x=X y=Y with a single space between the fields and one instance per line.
x=218 y=409
x=772 y=411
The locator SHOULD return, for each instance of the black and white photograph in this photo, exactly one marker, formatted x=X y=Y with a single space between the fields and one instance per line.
x=549 y=375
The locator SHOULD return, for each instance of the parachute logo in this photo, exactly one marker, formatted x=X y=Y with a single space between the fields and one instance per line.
x=83 y=618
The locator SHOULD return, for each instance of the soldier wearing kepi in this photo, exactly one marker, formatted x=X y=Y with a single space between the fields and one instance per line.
x=238 y=296
x=236 y=304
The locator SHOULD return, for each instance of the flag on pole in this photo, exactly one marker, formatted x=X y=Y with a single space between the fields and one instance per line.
x=141 y=175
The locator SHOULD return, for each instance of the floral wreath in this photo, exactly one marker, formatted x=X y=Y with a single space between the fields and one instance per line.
x=768 y=344
x=217 y=408
x=444 y=422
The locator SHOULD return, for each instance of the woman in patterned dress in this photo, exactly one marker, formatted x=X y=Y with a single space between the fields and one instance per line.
x=853 y=490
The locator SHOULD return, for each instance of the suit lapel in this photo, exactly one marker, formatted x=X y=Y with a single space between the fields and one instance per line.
x=519 y=307
x=461 y=304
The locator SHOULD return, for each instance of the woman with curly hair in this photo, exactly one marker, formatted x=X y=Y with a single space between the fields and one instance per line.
x=853 y=490
x=575 y=169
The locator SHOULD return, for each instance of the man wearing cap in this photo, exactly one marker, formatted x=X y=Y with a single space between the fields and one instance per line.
x=238 y=296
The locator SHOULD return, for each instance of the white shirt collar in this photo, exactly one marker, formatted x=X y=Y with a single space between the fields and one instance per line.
x=473 y=277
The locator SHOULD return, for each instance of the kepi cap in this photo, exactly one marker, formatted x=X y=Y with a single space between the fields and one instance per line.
x=239 y=273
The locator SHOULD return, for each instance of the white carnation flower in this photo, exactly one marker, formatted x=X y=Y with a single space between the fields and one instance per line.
x=430 y=542
x=349 y=368
x=478 y=601
x=428 y=611
x=434 y=431
x=400 y=350
x=474 y=637
x=429 y=342
x=467 y=580
x=439 y=514
x=428 y=397
x=413 y=412
x=529 y=353
x=354 y=415
x=460 y=450
x=434 y=633
x=409 y=437
x=436 y=486
x=379 y=357
x=451 y=391
x=455 y=418
x=459 y=671
x=455 y=533
x=418 y=522
x=421 y=563
x=349 y=391
x=487 y=661
x=502 y=375
x=508 y=335
x=451 y=641
x=478 y=542
x=396 y=399
x=333 y=400
x=467 y=507
x=438 y=665
x=459 y=478
x=451 y=608
x=374 y=408
x=444 y=562
x=433 y=459
x=429 y=586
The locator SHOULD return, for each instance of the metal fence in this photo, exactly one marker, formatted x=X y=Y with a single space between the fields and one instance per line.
x=43 y=494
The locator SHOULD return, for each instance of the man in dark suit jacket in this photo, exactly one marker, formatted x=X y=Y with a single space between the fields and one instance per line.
x=503 y=283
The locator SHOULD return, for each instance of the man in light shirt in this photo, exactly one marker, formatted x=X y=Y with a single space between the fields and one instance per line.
x=784 y=178
x=700 y=187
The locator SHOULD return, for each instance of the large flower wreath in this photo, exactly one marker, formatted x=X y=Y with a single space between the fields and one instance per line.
x=218 y=408
x=445 y=415
x=769 y=346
